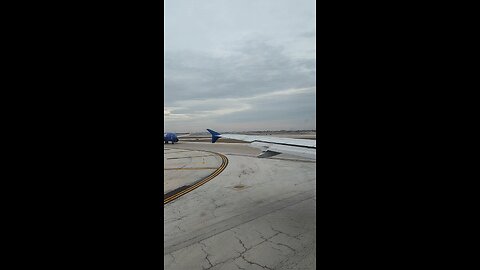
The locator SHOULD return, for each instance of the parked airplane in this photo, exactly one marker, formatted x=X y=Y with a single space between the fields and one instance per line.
x=272 y=146
x=170 y=136
x=173 y=137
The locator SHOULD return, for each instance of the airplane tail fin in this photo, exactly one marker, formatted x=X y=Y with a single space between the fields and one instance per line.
x=215 y=135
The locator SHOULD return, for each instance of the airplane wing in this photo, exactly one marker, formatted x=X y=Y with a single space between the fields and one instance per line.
x=272 y=146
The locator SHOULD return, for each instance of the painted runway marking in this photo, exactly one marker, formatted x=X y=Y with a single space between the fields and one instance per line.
x=193 y=168
x=190 y=157
x=177 y=152
x=185 y=190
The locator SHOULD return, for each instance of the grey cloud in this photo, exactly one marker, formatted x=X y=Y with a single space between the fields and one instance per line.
x=308 y=34
x=254 y=68
x=292 y=107
x=239 y=64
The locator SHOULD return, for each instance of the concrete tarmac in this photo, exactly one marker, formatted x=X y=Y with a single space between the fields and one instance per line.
x=185 y=167
x=256 y=214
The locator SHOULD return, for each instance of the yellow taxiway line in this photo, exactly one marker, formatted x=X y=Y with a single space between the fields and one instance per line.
x=189 y=157
x=193 y=168
x=201 y=182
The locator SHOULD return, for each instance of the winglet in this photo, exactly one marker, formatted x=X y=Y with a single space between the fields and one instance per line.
x=215 y=135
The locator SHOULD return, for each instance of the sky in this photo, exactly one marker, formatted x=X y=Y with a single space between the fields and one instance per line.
x=239 y=65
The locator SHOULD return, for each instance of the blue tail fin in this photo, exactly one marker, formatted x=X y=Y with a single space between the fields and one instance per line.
x=215 y=135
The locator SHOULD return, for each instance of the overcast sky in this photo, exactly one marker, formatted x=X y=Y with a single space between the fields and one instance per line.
x=239 y=65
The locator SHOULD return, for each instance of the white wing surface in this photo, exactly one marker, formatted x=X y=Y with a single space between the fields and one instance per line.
x=272 y=146
x=180 y=135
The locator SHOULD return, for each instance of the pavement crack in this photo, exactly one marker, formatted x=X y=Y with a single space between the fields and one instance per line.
x=267 y=239
x=180 y=229
x=241 y=242
x=275 y=247
x=273 y=229
x=264 y=240
x=206 y=254
x=287 y=246
x=172 y=257
x=180 y=218
x=239 y=266
x=254 y=263
x=215 y=203
x=227 y=260
x=216 y=206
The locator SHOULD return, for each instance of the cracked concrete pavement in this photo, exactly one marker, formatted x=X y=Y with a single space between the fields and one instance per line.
x=269 y=223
